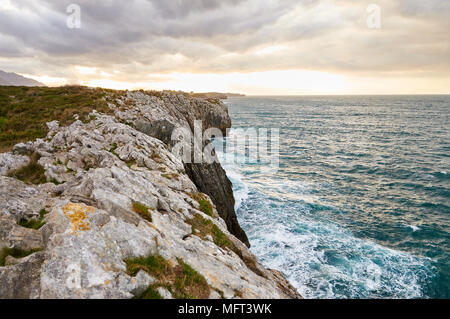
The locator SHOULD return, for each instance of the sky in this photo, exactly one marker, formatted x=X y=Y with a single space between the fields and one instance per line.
x=255 y=47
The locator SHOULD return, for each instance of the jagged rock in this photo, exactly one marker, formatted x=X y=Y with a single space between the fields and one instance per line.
x=164 y=293
x=53 y=126
x=10 y=162
x=92 y=227
x=213 y=181
x=284 y=284
x=13 y=235
x=22 y=280
x=20 y=200
x=159 y=116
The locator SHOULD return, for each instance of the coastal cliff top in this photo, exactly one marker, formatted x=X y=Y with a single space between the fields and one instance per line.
x=94 y=204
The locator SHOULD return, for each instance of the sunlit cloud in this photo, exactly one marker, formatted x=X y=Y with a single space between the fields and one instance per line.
x=249 y=46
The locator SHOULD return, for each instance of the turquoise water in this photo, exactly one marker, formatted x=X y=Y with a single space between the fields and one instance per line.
x=360 y=205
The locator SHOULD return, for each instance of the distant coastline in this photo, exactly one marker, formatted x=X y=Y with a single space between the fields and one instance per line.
x=221 y=96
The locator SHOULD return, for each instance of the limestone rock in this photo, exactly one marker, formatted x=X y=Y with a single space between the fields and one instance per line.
x=10 y=162
x=105 y=167
x=158 y=116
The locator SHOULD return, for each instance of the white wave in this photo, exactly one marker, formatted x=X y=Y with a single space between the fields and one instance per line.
x=240 y=188
x=413 y=227
x=324 y=260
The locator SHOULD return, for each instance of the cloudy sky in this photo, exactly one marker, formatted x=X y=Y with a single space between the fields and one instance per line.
x=248 y=46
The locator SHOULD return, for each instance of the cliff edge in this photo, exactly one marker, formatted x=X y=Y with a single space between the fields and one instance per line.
x=99 y=207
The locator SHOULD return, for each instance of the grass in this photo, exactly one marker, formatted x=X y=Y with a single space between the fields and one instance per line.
x=205 y=205
x=24 y=111
x=151 y=293
x=33 y=173
x=14 y=252
x=155 y=265
x=34 y=223
x=130 y=162
x=156 y=157
x=113 y=149
x=206 y=227
x=171 y=176
x=182 y=280
x=143 y=211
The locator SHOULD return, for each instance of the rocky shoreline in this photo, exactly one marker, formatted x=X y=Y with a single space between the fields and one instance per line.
x=103 y=209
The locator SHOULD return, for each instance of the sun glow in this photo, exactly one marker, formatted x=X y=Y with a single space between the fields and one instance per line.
x=282 y=82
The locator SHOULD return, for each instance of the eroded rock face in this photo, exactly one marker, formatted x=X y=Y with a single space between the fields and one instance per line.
x=91 y=228
x=158 y=116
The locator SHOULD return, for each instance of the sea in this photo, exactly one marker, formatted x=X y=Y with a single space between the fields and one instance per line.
x=359 y=203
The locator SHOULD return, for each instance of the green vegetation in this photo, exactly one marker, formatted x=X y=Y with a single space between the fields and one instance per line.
x=205 y=205
x=171 y=176
x=206 y=227
x=189 y=284
x=14 y=252
x=34 y=223
x=182 y=280
x=33 y=173
x=142 y=210
x=155 y=265
x=156 y=158
x=151 y=293
x=55 y=181
x=131 y=162
x=25 y=110
x=113 y=149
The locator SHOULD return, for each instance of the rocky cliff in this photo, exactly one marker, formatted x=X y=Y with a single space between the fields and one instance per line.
x=101 y=208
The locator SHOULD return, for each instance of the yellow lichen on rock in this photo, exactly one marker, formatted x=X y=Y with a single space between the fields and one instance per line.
x=77 y=214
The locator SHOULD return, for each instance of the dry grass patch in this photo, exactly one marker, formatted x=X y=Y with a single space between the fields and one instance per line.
x=203 y=227
x=205 y=205
x=33 y=173
x=143 y=211
x=182 y=280
x=34 y=223
x=14 y=252
x=24 y=111
x=171 y=176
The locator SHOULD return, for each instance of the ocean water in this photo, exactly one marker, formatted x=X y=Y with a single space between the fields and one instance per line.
x=360 y=204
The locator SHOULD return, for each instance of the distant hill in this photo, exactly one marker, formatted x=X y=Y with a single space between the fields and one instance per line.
x=13 y=79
